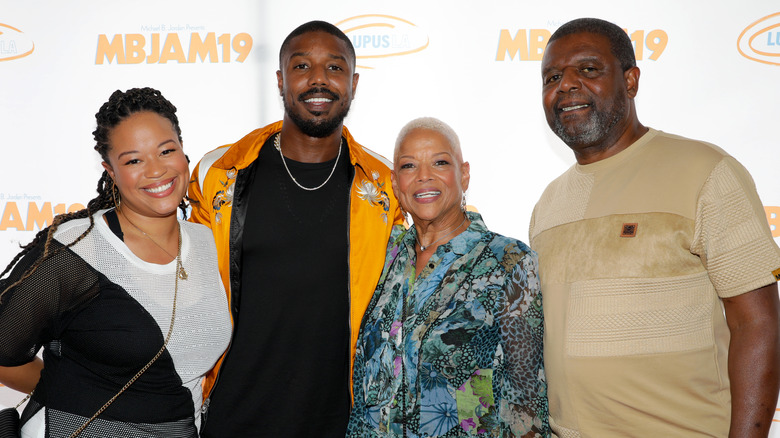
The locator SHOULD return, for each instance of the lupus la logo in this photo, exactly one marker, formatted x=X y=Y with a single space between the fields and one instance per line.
x=760 y=41
x=378 y=36
x=14 y=44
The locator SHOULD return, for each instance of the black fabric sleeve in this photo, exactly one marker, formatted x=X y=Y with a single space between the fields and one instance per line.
x=30 y=312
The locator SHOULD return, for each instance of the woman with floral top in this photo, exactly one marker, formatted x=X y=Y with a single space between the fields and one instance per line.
x=451 y=342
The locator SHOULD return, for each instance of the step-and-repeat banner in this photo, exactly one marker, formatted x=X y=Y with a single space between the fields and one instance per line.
x=710 y=73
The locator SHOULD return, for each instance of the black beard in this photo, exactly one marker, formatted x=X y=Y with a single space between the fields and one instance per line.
x=595 y=130
x=312 y=127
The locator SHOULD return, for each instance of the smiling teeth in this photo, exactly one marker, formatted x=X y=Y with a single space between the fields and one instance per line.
x=572 y=108
x=427 y=195
x=160 y=189
x=318 y=100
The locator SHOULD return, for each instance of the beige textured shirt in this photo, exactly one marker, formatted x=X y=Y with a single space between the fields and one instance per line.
x=635 y=252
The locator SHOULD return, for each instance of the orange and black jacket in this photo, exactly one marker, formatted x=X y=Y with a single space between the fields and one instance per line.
x=216 y=189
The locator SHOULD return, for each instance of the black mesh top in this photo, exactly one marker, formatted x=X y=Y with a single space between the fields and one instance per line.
x=101 y=314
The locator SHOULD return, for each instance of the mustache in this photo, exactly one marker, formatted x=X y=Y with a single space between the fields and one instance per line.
x=318 y=90
x=557 y=103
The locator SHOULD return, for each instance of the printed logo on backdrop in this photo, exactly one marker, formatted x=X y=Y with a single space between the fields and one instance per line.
x=26 y=212
x=180 y=43
x=378 y=36
x=773 y=217
x=760 y=41
x=529 y=44
x=14 y=44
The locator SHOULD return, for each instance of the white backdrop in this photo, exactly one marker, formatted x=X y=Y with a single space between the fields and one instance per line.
x=710 y=72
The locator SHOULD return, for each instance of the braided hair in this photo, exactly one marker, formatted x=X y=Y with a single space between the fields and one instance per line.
x=119 y=106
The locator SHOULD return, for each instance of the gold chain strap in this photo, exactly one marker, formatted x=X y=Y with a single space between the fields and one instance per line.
x=156 y=356
x=24 y=399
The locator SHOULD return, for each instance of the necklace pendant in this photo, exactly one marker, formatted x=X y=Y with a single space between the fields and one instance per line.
x=422 y=248
x=182 y=273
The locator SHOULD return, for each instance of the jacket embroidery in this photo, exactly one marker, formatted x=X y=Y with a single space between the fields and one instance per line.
x=224 y=197
x=374 y=193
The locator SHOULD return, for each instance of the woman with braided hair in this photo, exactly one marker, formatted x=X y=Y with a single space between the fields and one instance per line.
x=123 y=297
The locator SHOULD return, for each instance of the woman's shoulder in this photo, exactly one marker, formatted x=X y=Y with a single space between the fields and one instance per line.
x=397 y=231
x=200 y=237
x=498 y=243
x=510 y=251
x=511 y=244
x=198 y=230
x=69 y=231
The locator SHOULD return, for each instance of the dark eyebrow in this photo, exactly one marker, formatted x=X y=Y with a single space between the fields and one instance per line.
x=338 y=57
x=127 y=153
x=331 y=56
x=584 y=59
x=294 y=54
x=590 y=59
x=170 y=140
x=135 y=152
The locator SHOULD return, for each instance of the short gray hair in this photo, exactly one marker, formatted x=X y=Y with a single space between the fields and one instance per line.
x=433 y=124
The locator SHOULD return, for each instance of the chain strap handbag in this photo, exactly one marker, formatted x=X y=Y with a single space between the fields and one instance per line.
x=9 y=418
x=178 y=274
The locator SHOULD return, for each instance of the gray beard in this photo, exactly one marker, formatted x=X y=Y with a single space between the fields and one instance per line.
x=598 y=126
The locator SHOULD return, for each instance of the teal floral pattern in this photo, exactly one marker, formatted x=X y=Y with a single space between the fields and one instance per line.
x=456 y=351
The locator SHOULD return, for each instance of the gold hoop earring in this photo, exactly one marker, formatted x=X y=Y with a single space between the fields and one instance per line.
x=115 y=194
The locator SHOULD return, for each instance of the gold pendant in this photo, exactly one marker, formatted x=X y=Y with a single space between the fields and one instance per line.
x=182 y=273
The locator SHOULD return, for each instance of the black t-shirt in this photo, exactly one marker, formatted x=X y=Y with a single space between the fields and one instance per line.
x=287 y=371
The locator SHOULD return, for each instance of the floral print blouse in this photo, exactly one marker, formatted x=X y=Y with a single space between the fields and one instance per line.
x=456 y=351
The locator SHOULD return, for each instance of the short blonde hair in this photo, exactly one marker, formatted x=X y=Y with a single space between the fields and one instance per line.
x=433 y=124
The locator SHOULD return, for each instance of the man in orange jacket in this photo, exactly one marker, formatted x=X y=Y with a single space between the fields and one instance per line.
x=301 y=214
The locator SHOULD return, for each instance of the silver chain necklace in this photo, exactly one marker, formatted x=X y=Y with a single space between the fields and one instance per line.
x=423 y=248
x=278 y=146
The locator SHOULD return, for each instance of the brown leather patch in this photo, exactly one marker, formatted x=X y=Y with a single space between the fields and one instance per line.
x=629 y=230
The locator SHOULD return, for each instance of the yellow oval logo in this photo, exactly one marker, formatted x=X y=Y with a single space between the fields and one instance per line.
x=377 y=36
x=13 y=43
x=760 y=41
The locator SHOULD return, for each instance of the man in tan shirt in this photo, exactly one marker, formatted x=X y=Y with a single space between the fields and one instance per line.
x=657 y=265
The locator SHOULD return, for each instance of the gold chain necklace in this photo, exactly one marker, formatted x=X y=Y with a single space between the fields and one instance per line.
x=278 y=146
x=181 y=272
